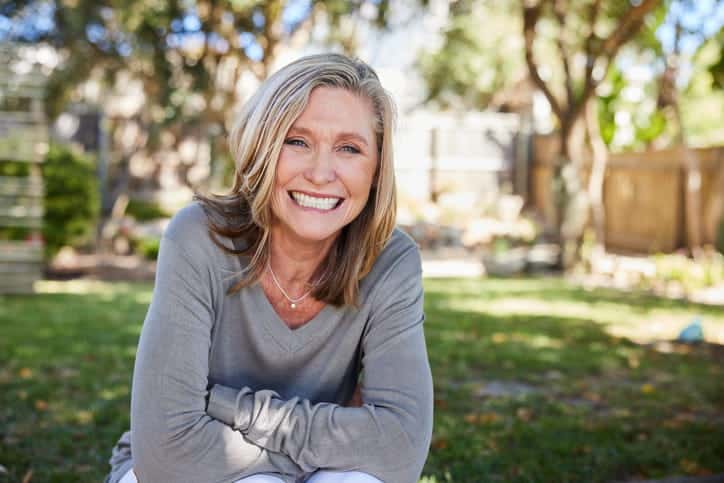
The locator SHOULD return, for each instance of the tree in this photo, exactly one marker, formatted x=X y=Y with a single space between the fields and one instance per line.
x=586 y=34
x=473 y=65
x=190 y=59
x=566 y=49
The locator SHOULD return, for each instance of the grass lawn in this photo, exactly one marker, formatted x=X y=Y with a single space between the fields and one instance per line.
x=536 y=380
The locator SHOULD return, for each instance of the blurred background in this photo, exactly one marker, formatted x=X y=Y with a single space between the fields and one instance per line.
x=559 y=162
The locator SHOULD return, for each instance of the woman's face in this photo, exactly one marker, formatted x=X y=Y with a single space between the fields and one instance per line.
x=326 y=167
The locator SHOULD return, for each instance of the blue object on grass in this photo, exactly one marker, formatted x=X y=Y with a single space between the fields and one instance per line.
x=692 y=332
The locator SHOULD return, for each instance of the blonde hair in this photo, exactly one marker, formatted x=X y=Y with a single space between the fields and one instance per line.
x=255 y=142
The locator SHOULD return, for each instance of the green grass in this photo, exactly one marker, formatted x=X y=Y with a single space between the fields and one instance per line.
x=601 y=402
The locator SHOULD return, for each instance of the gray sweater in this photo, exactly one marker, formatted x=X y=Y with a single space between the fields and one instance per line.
x=275 y=394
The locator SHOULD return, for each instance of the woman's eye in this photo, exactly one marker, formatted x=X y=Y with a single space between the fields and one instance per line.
x=351 y=149
x=295 y=142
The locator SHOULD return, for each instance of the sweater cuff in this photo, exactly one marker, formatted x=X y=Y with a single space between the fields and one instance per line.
x=231 y=406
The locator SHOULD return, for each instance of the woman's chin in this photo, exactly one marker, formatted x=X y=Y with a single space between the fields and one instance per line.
x=306 y=233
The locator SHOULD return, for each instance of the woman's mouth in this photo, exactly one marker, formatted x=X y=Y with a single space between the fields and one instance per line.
x=323 y=203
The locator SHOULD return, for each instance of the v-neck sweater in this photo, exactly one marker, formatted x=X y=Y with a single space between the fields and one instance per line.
x=223 y=388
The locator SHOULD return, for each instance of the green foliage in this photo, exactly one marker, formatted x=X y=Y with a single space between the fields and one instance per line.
x=474 y=63
x=14 y=168
x=71 y=199
x=702 y=99
x=707 y=270
x=145 y=210
x=147 y=247
x=648 y=122
x=720 y=236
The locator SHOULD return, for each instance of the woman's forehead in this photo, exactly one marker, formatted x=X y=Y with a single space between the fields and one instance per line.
x=339 y=108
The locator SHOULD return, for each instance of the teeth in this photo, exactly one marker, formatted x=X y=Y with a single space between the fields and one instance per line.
x=314 y=202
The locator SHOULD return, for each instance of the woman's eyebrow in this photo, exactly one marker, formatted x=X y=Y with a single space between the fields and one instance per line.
x=345 y=134
x=353 y=135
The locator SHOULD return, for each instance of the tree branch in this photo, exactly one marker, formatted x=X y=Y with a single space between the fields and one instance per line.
x=531 y=14
x=591 y=39
x=630 y=24
x=559 y=12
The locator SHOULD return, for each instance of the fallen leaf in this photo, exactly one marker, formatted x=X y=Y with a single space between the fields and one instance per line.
x=481 y=418
x=685 y=417
x=439 y=443
x=689 y=466
x=585 y=449
x=499 y=338
x=647 y=388
x=28 y=476
x=41 y=405
x=524 y=414
x=470 y=418
x=25 y=373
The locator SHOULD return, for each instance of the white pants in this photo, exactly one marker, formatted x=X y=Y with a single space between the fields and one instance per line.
x=321 y=476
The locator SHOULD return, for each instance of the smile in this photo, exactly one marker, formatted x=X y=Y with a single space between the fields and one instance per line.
x=316 y=202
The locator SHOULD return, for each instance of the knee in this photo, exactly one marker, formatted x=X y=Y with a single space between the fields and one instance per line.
x=325 y=476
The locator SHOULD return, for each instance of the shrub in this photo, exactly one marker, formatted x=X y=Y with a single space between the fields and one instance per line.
x=147 y=247
x=71 y=199
x=145 y=210
x=719 y=242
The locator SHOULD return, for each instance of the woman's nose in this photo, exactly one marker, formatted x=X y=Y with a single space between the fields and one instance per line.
x=322 y=169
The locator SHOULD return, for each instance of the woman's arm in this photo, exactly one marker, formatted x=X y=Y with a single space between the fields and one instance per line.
x=173 y=439
x=389 y=435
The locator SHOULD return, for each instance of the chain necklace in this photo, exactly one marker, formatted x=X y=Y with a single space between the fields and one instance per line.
x=292 y=301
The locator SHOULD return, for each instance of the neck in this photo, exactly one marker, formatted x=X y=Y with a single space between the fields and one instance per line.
x=294 y=263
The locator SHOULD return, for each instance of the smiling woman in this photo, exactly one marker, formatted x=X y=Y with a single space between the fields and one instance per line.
x=284 y=340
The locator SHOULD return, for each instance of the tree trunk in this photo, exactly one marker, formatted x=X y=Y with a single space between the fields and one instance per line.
x=692 y=189
x=715 y=213
x=692 y=168
x=598 y=175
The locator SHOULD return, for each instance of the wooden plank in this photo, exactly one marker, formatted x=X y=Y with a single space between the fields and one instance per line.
x=21 y=283
x=22 y=92
x=24 y=287
x=21 y=117
x=21 y=211
x=12 y=267
x=12 y=200
x=20 y=251
x=25 y=222
x=21 y=186
x=23 y=142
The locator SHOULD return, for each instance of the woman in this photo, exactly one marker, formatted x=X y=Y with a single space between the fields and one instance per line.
x=275 y=304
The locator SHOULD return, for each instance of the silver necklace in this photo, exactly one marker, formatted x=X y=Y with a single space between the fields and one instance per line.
x=292 y=301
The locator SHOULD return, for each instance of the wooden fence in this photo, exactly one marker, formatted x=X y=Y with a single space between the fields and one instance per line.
x=643 y=195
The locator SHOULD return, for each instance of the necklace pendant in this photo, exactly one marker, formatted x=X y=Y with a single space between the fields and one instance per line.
x=293 y=305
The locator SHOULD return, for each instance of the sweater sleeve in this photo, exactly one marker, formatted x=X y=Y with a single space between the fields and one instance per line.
x=389 y=435
x=172 y=437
